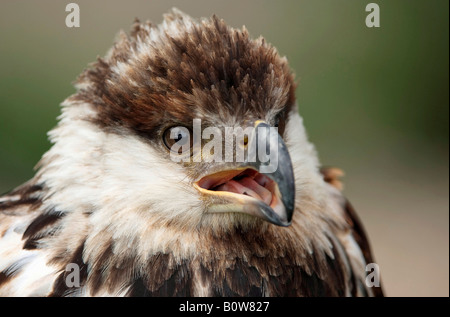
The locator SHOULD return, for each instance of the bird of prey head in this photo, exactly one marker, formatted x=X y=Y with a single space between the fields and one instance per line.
x=110 y=199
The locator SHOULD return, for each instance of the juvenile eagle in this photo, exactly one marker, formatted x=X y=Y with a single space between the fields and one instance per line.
x=108 y=199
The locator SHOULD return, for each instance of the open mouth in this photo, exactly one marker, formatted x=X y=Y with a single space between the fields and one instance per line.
x=242 y=184
x=268 y=195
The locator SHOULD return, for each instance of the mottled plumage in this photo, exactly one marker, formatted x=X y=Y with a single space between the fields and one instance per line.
x=108 y=198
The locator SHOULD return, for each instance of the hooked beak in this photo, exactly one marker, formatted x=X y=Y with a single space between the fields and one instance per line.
x=263 y=186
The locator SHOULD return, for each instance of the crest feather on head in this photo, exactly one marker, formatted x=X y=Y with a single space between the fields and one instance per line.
x=184 y=69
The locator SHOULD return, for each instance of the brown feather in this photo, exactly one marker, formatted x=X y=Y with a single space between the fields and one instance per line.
x=190 y=76
x=212 y=72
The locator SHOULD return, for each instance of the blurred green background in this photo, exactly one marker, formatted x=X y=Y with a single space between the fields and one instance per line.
x=375 y=103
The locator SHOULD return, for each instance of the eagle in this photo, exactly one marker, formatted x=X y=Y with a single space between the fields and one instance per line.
x=109 y=200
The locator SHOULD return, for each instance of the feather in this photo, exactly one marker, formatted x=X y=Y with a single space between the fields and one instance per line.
x=107 y=200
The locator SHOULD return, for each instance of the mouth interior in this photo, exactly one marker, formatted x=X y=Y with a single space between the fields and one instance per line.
x=248 y=183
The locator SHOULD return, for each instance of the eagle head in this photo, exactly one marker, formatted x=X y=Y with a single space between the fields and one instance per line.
x=166 y=86
x=174 y=170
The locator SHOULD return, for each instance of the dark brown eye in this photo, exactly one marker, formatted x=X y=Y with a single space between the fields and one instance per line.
x=178 y=139
x=280 y=123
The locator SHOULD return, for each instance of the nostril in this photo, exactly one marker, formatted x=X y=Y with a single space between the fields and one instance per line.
x=243 y=143
x=245 y=140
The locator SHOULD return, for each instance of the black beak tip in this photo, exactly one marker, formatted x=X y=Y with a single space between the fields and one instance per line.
x=285 y=224
x=282 y=220
x=283 y=176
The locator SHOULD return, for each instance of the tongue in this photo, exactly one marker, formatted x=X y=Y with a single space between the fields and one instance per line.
x=247 y=186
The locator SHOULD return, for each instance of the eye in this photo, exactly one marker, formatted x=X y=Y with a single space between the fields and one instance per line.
x=177 y=139
x=277 y=122
x=280 y=123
